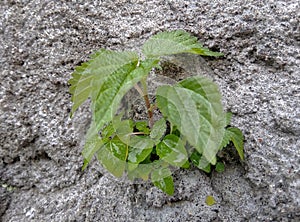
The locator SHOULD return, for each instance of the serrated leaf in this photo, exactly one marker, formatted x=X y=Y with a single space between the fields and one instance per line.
x=174 y=42
x=171 y=149
x=113 y=88
x=228 y=118
x=162 y=179
x=158 y=130
x=101 y=64
x=226 y=139
x=210 y=200
x=80 y=82
x=194 y=107
x=237 y=138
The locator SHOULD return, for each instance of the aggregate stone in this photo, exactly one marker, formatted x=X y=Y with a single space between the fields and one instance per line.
x=40 y=163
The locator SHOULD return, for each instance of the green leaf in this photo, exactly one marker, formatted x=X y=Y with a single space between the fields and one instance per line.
x=108 y=131
x=194 y=107
x=101 y=64
x=122 y=128
x=165 y=184
x=92 y=145
x=162 y=179
x=200 y=162
x=171 y=149
x=174 y=42
x=80 y=82
x=140 y=148
x=142 y=126
x=158 y=130
x=139 y=171
x=138 y=155
x=228 y=118
x=113 y=88
x=226 y=139
x=205 y=52
x=220 y=167
x=237 y=138
x=117 y=148
x=210 y=200
x=186 y=165
x=113 y=157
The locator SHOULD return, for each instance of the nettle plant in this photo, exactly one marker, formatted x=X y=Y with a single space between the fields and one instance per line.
x=192 y=127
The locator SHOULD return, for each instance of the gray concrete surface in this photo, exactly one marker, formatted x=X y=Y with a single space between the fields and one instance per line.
x=42 y=41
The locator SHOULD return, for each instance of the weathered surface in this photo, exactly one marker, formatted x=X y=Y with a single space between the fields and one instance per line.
x=42 y=41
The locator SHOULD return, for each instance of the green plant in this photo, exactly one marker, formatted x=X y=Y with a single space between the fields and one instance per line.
x=192 y=124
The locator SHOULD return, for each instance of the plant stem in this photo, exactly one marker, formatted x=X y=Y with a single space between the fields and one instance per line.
x=144 y=93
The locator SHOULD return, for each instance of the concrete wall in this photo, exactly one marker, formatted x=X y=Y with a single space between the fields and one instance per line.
x=40 y=163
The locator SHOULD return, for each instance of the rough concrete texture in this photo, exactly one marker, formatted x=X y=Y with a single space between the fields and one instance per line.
x=41 y=41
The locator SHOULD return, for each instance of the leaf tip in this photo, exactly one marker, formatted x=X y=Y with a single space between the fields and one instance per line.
x=85 y=164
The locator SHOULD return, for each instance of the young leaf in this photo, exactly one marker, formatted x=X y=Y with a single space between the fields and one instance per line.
x=171 y=149
x=101 y=64
x=194 y=107
x=162 y=179
x=174 y=42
